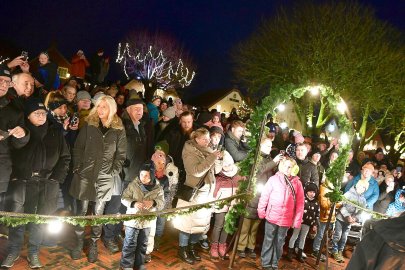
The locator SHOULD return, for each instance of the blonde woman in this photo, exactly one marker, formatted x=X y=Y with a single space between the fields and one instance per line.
x=98 y=155
x=200 y=164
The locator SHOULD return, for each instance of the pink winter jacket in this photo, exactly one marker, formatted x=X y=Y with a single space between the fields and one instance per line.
x=276 y=202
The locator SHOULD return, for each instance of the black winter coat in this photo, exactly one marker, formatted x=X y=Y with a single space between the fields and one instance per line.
x=308 y=172
x=311 y=211
x=235 y=147
x=53 y=163
x=382 y=248
x=10 y=117
x=139 y=148
x=176 y=140
x=97 y=157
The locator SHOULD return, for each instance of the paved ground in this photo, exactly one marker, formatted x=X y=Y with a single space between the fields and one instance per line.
x=165 y=258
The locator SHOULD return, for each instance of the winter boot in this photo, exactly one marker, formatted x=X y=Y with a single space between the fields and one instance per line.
x=157 y=242
x=214 y=251
x=290 y=254
x=183 y=254
x=222 y=248
x=76 y=253
x=93 y=252
x=299 y=256
x=193 y=252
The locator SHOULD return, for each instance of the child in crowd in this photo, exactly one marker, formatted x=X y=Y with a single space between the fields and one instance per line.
x=396 y=208
x=310 y=219
x=346 y=216
x=291 y=149
x=143 y=194
x=225 y=186
x=159 y=159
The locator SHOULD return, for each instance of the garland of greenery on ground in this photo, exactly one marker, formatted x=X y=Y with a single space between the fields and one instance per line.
x=278 y=95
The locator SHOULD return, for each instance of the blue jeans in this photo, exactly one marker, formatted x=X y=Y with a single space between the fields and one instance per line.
x=134 y=248
x=185 y=238
x=339 y=238
x=112 y=207
x=318 y=238
x=160 y=226
x=16 y=235
x=272 y=249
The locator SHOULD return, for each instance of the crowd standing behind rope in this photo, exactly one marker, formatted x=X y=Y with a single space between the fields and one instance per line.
x=105 y=150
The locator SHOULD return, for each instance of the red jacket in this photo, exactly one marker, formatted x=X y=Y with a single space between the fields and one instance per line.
x=276 y=202
x=78 y=67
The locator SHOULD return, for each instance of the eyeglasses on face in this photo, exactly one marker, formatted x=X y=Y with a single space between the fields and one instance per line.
x=38 y=114
x=6 y=82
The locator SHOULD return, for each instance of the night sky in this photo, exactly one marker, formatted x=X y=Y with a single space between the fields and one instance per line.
x=207 y=29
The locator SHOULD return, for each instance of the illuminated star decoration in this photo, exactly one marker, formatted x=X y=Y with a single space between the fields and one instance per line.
x=153 y=66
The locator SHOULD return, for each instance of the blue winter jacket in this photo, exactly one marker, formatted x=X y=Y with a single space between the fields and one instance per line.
x=371 y=194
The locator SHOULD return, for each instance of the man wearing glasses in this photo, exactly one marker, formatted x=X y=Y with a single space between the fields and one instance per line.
x=12 y=133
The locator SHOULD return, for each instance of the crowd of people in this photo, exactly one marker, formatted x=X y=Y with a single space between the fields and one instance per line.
x=106 y=150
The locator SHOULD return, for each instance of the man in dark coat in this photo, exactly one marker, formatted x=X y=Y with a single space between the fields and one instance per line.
x=12 y=132
x=177 y=136
x=38 y=169
x=139 y=138
x=382 y=248
x=235 y=142
x=308 y=171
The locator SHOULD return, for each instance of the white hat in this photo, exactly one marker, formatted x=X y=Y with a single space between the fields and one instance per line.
x=228 y=162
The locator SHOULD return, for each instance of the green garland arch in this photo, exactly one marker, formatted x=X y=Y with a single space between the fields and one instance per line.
x=278 y=95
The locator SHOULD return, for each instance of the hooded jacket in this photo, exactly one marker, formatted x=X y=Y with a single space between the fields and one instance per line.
x=397 y=207
x=371 y=194
x=382 y=248
x=276 y=202
x=311 y=208
x=135 y=192
x=96 y=158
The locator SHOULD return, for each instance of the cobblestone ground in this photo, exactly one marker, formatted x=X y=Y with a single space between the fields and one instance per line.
x=166 y=258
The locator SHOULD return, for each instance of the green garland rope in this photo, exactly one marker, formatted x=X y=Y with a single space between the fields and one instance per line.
x=17 y=219
x=335 y=173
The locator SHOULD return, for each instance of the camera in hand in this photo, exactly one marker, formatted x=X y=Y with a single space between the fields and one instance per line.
x=24 y=55
x=74 y=119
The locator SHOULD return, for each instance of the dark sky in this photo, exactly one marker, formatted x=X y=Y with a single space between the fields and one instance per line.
x=207 y=29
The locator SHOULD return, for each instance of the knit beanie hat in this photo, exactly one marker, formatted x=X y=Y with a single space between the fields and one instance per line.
x=169 y=112
x=81 y=95
x=33 y=104
x=162 y=146
x=310 y=186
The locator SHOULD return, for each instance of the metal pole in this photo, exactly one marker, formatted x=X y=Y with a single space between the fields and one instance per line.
x=324 y=235
x=252 y=172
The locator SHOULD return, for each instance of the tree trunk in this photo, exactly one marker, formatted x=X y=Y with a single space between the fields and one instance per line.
x=363 y=128
x=150 y=89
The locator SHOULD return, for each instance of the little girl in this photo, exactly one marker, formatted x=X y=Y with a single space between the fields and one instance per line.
x=310 y=218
